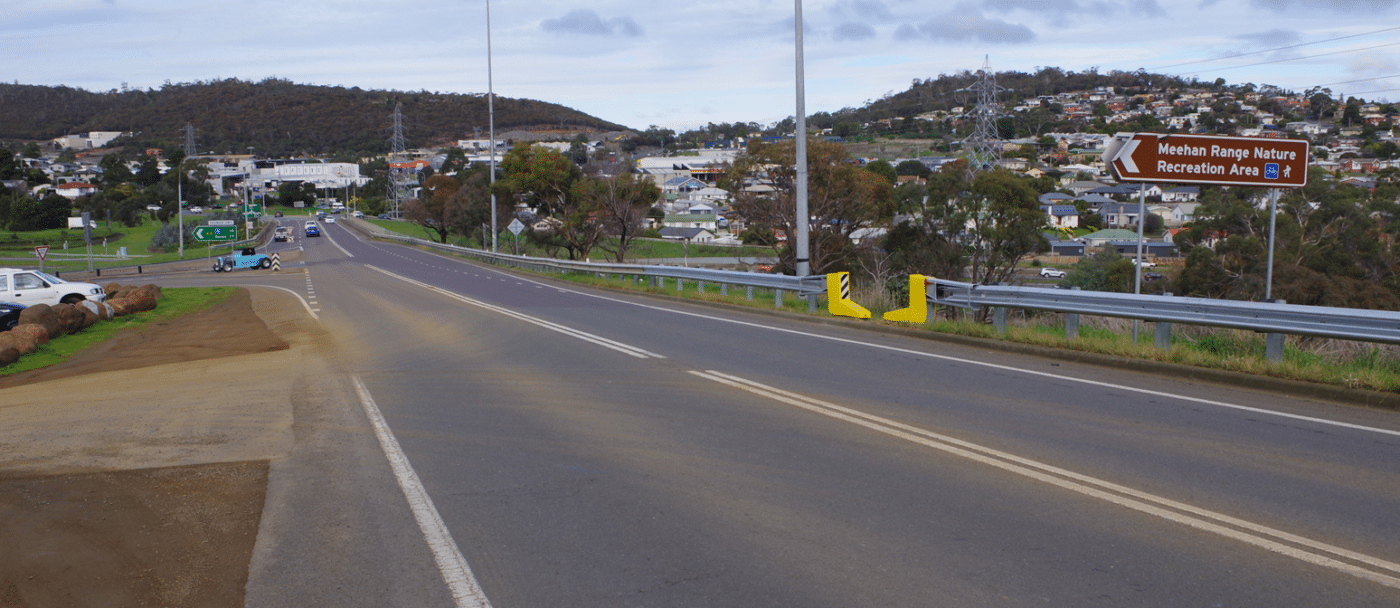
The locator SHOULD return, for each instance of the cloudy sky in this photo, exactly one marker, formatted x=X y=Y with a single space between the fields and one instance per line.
x=683 y=64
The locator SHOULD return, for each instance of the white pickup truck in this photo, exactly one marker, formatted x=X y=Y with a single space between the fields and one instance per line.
x=30 y=287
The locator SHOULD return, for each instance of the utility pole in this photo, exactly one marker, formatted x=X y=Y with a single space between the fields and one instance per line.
x=803 y=219
x=180 y=184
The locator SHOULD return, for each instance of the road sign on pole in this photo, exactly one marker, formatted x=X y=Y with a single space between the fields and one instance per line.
x=1208 y=159
x=43 y=251
x=215 y=233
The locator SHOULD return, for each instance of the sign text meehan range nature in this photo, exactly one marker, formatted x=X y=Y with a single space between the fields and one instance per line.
x=1208 y=159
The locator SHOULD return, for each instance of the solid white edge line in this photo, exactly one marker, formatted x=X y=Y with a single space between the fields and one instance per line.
x=582 y=335
x=1013 y=464
x=337 y=245
x=466 y=591
x=305 y=305
x=1049 y=375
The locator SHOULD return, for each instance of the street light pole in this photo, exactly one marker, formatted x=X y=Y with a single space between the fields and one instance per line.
x=491 y=117
x=803 y=219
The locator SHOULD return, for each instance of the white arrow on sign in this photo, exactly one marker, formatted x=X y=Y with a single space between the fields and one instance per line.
x=1126 y=156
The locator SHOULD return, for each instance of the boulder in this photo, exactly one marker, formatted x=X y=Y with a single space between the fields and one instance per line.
x=144 y=297
x=8 y=354
x=160 y=295
x=28 y=337
x=44 y=316
x=20 y=344
x=122 y=307
x=90 y=317
x=71 y=317
x=99 y=309
x=112 y=288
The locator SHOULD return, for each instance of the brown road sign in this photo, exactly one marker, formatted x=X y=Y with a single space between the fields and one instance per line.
x=1208 y=159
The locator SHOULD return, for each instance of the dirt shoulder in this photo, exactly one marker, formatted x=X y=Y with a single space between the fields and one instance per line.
x=135 y=473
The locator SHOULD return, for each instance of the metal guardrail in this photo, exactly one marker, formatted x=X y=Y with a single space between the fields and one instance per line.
x=1378 y=326
x=803 y=286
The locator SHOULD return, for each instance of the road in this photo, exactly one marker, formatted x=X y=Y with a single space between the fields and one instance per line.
x=588 y=448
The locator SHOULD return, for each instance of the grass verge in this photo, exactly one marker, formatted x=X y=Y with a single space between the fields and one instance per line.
x=177 y=301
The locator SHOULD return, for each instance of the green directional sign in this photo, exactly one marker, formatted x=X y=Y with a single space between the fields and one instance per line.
x=253 y=210
x=215 y=234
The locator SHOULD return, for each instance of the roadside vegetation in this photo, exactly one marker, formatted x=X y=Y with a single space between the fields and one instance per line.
x=178 y=301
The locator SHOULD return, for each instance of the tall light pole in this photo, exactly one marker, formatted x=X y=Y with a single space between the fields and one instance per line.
x=803 y=219
x=491 y=117
x=180 y=205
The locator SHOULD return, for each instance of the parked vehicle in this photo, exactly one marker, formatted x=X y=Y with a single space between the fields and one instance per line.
x=358 y=215
x=1053 y=273
x=30 y=287
x=9 y=315
x=247 y=258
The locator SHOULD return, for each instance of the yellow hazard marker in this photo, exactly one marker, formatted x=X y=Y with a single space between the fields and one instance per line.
x=838 y=297
x=918 y=304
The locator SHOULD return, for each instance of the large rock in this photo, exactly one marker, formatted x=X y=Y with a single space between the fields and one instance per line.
x=122 y=307
x=42 y=315
x=142 y=298
x=8 y=354
x=101 y=310
x=159 y=295
x=28 y=337
x=112 y=288
x=71 y=317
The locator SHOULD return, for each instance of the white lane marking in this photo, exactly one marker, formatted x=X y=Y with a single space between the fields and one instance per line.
x=308 y=308
x=1196 y=517
x=466 y=591
x=1030 y=372
x=563 y=329
x=337 y=245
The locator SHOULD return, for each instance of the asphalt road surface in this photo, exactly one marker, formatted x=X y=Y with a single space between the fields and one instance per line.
x=552 y=445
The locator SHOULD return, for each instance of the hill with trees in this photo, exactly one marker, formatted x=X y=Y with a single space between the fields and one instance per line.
x=276 y=117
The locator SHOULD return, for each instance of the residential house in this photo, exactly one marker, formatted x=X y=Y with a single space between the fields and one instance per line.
x=686 y=220
x=73 y=190
x=693 y=235
x=1119 y=215
x=1062 y=216
x=1181 y=194
x=1106 y=236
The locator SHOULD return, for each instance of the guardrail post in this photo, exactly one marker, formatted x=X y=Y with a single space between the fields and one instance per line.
x=812 y=304
x=1273 y=343
x=700 y=286
x=1273 y=348
x=777 y=298
x=1162 y=338
x=999 y=319
x=748 y=293
x=680 y=284
x=724 y=289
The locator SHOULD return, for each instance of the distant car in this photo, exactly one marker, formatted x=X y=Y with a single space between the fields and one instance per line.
x=248 y=257
x=1053 y=273
x=9 y=315
x=277 y=214
x=358 y=214
x=1151 y=276
x=312 y=229
x=383 y=216
x=196 y=209
x=330 y=219
x=1146 y=264
x=281 y=234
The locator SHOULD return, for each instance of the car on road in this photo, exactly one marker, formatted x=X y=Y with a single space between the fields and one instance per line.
x=9 y=315
x=1151 y=276
x=383 y=216
x=196 y=209
x=313 y=229
x=1053 y=273
x=281 y=234
x=1145 y=264
x=330 y=219
x=248 y=257
x=358 y=214
x=277 y=214
x=30 y=287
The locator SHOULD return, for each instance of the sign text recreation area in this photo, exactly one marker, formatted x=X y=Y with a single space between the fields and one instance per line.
x=1208 y=159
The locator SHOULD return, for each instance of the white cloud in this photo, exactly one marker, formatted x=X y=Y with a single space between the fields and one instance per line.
x=587 y=22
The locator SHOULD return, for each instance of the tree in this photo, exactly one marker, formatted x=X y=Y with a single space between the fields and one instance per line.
x=1005 y=224
x=546 y=178
x=149 y=172
x=841 y=199
x=883 y=169
x=31 y=150
x=912 y=167
x=439 y=208
x=621 y=203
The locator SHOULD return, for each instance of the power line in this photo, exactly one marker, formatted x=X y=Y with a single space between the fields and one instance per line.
x=1360 y=80
x=1250 y=65
x=1282 y=48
